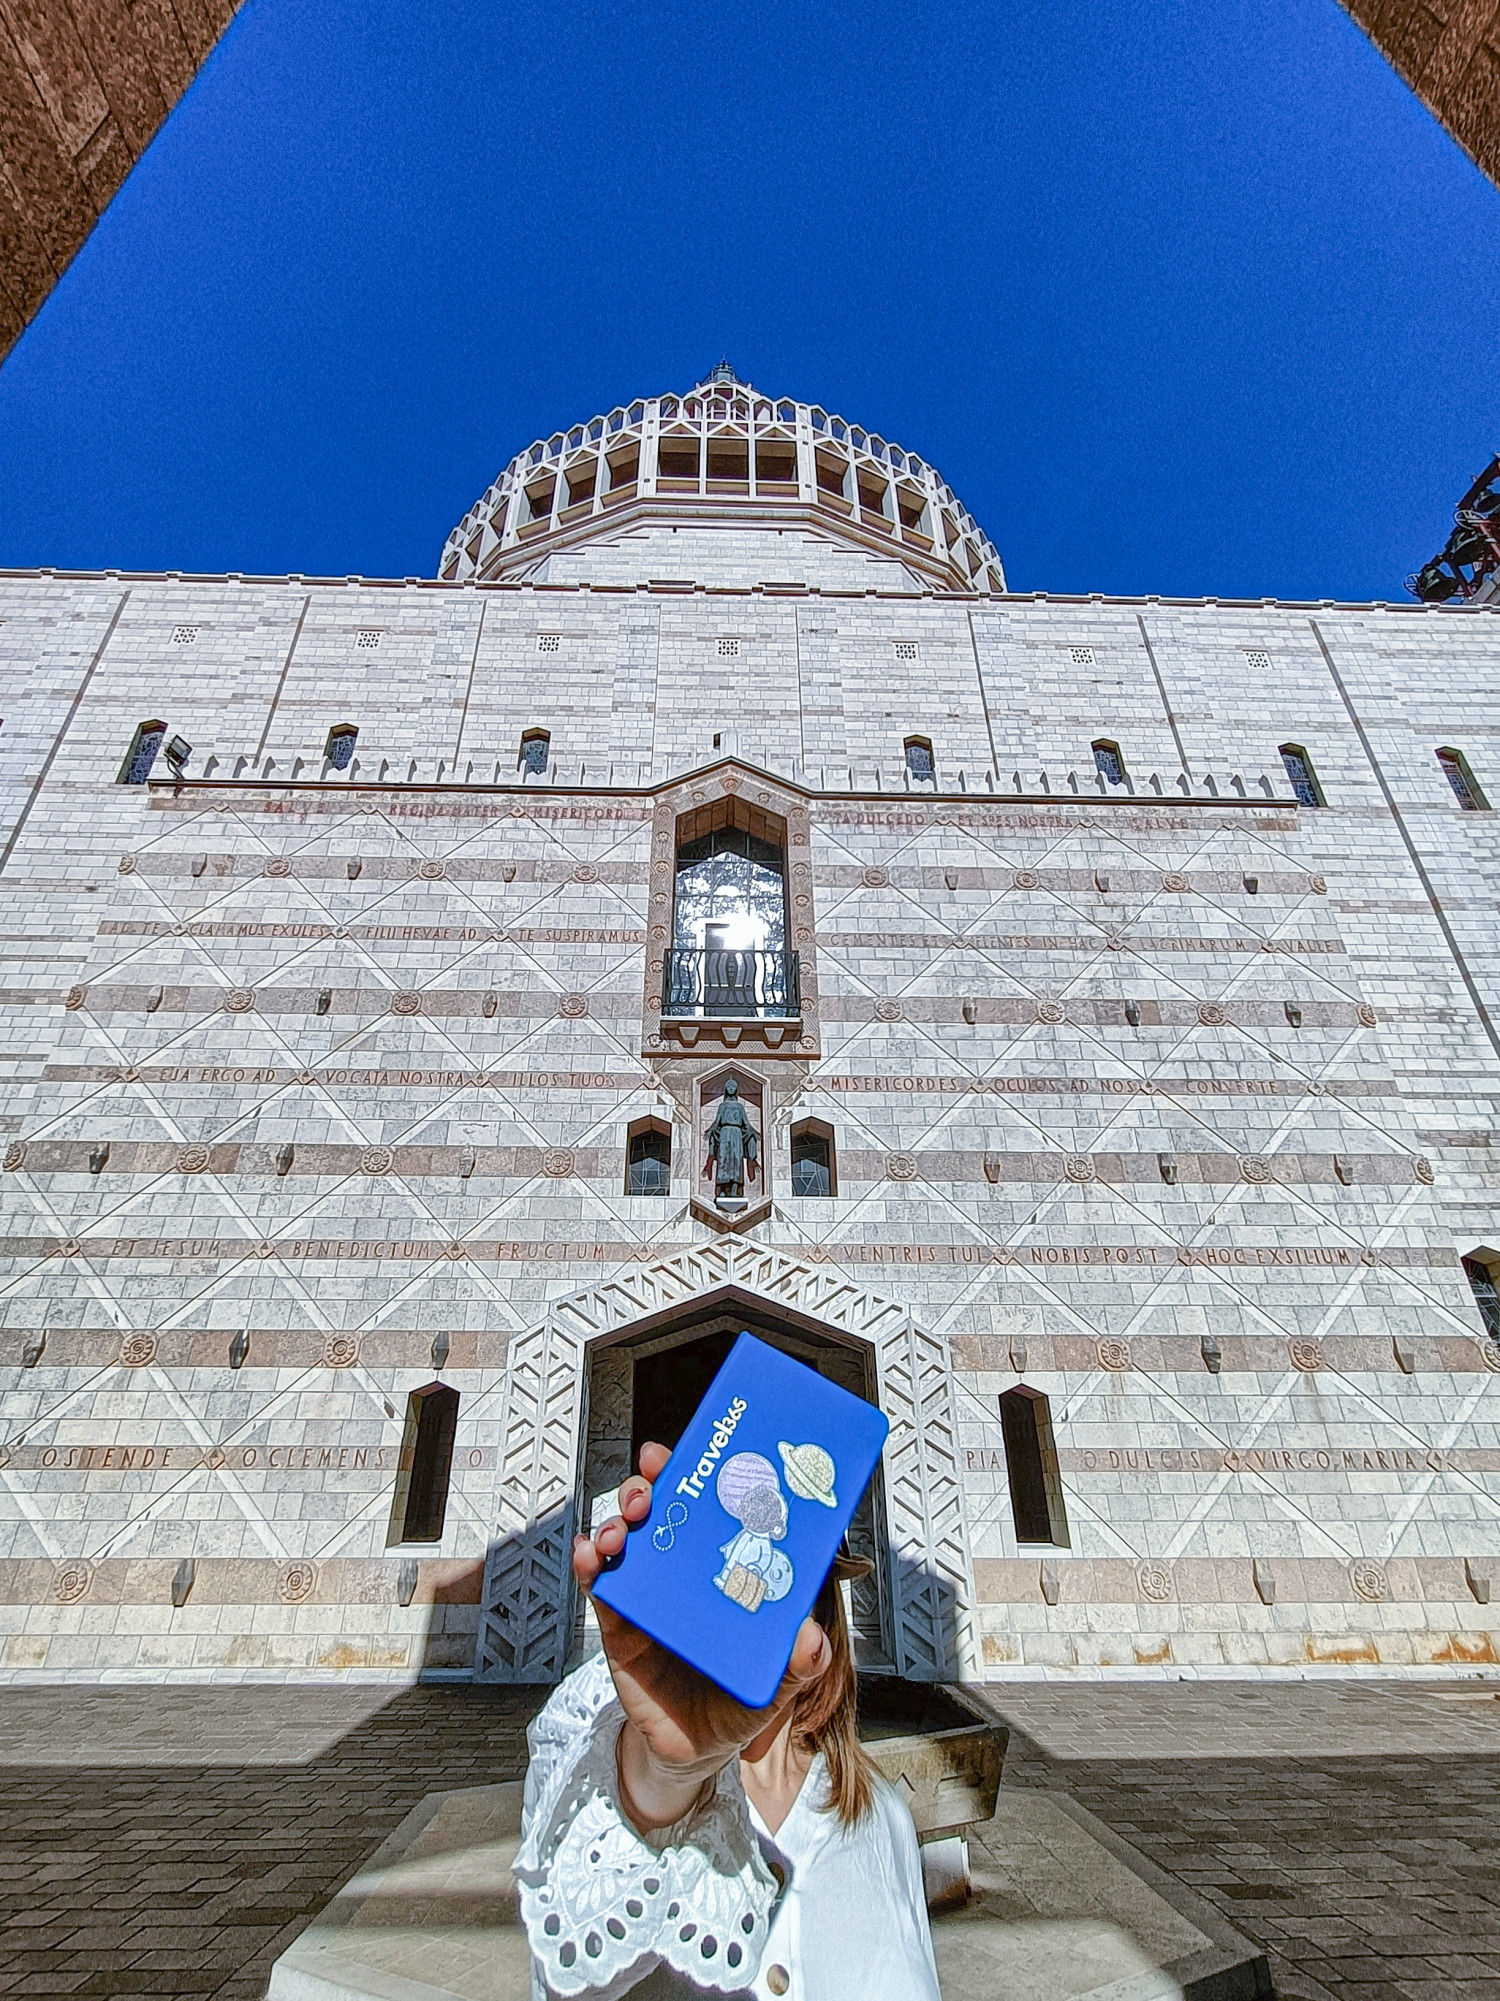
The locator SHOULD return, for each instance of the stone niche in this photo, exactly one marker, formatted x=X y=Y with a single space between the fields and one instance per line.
x=708 y=1095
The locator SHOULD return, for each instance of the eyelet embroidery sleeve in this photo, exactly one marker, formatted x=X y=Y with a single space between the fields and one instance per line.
x=603 y=1904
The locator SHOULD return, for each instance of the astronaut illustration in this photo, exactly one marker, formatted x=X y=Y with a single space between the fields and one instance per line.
x=753 y=1572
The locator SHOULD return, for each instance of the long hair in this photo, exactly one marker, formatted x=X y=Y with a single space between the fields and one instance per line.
x=825 y=1716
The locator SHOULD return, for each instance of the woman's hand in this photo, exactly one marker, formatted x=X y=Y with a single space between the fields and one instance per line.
x=681 y=1729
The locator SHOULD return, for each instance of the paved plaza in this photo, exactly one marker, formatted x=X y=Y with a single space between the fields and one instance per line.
x=172 y=1841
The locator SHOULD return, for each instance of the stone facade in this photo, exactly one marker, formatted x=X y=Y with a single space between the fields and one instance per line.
x=1169 y=1100
x=83 y=92
x=1450 y=55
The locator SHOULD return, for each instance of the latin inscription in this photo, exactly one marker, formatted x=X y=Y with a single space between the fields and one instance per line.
x=221 y=1458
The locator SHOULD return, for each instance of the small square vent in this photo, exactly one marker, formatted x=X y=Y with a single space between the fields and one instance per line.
x=184 y=635
x=549 y=642
x=1256 y=661
x=906 y=649
x=729 y=649
x=368 y=639
x=1082 y=656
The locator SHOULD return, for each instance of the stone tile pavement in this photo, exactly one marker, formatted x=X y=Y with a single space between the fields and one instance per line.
x=171 y=1841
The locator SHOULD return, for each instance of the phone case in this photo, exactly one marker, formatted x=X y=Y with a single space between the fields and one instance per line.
x=747 y=1518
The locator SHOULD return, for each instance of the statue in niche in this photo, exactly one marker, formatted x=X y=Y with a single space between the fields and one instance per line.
x=733 y=1147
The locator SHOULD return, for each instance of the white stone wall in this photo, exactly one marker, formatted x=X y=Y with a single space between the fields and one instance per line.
x=1330 y=1496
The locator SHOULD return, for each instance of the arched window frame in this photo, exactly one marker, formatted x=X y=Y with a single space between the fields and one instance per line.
x=1109 y=761
x=920 y=759
x=1482 y=1270
x=419 y=1505
x=145 y=748
x=1038 y=1514
x=1306 y=783
x=821 y=1131
x=535 y=754
x=339 y=749
x=636 y=1153
x=1466 y=787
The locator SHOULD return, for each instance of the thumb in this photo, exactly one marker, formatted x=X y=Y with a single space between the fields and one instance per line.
x=811 y=1658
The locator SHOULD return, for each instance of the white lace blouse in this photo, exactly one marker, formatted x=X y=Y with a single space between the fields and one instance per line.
x=697 y=1908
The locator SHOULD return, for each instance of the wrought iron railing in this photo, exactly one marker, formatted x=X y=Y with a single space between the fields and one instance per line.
x=752 y=984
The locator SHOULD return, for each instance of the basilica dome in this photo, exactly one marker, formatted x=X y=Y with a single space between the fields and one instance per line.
x=722 y=455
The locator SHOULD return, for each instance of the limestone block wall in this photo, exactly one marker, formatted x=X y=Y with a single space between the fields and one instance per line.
x=318 y=1088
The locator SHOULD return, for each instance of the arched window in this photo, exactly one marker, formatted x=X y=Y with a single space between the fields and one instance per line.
x=921 y=767
x=648 y=1158
x=1036 y=1497
x=813 y=1167
x=1300 y=771
x=339 y=749
x=1479 y=1270
x=1465 y=788
x=536 y=747
x=421 y=1498
x=729 y=924
x=140 y=757
x=1108 y=761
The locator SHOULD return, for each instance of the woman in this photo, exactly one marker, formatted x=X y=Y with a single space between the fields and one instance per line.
x=676 y=1843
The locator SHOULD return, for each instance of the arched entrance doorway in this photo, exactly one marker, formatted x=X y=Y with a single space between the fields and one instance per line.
x=568 y=1408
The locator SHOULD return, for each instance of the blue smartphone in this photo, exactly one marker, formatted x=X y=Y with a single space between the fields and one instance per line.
x=747 y=1518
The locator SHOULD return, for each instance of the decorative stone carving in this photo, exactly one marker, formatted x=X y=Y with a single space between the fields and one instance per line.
x=970 y=1011
x=901 y=1167
x=557 y=1163
x=888 y=1010
x=239 y=1000
x=1114 y=1354
x=585 y=872
x=1050 y=1010
x=1489 y=1354
x=527 y=1599
x=377 y=1160
x=875 y=878
x=1211 y=1015
x=1079 y=1167
x=137 y=1351
x=1317 y=885
x=1154 y=1581
x=341 y=1351
x=1369 y=1580
x=1174 y=880
x=408 y=1001
x=994 y=1166
x=131 y=1074
x=1421 y=1167
x=278 y=865
x=432 y=871
x=573 y=1006
x=1027 y=878
x=15 y=1156
x=71 y=1581
x=1305 y=1354
x=74 y=999
x=1255 y=1167
x=266 y=1248
x=1366 y=1015
x=125 y=865
x=297 y=1583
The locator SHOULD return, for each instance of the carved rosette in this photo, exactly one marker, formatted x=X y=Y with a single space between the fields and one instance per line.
x=888 y=1010
x=297 y=1583
x=1305 y=1354
x=1079 y=1167
x=574 y=1007
x=341 y=1351
x=71 y=1581
x=15 y=1156
x=278 y=865
x=432 y=871
x=1114 y=1354
x=192 y=1159
x=125 y=865
x=1369 y=1580
x=1050 y=1010
x=137 y=1351
x=1027 y=878
x=377 y=1160
x=74 y=999
x=558 y=1163
x=1421 y=1167
x=1366 y=1015
x=1211 y=1015
x=901 y=1167
x=239 y=1000
x=408 y=1001
x=1155 y=1583
x=1174 y=880
x=585 y=872
x=875 y=878
x=1254 y=1167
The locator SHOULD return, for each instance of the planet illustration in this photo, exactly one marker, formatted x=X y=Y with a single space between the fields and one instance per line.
x=744 y=1474
x=809 y=1472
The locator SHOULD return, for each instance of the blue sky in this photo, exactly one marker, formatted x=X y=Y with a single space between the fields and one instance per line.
x=1182 y=296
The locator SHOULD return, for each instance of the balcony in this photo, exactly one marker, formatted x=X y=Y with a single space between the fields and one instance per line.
x=722 y=985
